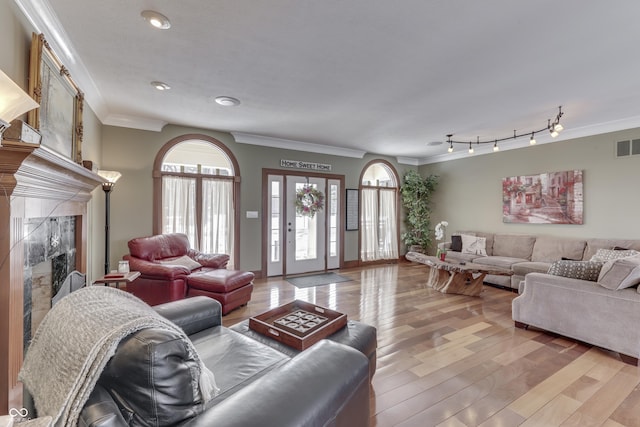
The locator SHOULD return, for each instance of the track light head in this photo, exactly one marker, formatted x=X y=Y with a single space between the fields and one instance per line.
x=495 y=146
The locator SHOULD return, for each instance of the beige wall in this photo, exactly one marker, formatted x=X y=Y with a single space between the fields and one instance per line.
x=15 y=43
x=469 y=195
x=132 y=153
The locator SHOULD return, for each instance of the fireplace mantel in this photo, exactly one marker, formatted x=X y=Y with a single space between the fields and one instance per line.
x=35 y=182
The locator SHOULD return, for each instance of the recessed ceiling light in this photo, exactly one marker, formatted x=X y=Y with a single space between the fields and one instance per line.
x=227 y=101
x=160 y=85
x=156 y=19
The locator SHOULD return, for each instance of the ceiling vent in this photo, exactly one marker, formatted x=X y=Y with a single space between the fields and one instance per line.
x=628 y=148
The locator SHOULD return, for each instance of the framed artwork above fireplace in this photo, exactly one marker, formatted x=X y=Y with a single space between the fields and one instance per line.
x=59 y=117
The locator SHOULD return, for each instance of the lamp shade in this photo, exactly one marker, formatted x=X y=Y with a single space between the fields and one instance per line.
x=110 y=176
x=13 y=100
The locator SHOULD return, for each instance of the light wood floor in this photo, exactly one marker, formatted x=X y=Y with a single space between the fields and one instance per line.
x=451 y=360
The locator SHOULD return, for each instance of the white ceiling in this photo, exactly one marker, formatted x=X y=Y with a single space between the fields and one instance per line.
x=349 y=77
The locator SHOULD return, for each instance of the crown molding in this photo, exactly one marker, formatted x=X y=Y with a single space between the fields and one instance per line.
x=288 y=144
x=133 y=122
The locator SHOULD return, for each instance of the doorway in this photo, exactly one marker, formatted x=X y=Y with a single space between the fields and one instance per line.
x=298 y=243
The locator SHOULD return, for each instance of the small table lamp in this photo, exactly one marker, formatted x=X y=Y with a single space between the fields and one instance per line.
x=13 y=102
x=110 y=178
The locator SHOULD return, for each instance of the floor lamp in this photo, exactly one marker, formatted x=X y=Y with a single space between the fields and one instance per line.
x=110 y=178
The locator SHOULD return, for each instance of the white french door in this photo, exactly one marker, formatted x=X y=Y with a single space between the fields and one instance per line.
x=300 y=243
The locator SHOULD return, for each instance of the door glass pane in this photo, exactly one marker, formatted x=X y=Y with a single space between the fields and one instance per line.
x=306 y=234
x=275 y=221
x=333 y=220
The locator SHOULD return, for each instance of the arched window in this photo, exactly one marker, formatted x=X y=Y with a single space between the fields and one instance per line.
x=379 y=212
x=195 y=188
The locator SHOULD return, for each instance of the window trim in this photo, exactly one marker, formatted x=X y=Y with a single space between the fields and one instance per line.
x=157 y=184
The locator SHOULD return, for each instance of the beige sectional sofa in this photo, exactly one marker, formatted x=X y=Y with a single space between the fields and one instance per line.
x=527 y=253
x=600 y=311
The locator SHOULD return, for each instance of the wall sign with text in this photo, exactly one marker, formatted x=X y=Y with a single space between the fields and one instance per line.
x=299 y=164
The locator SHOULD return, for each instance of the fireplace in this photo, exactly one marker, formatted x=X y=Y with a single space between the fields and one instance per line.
x=43 y=227
x=50 y=258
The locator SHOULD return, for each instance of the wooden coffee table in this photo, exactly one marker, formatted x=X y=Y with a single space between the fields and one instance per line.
x=456 y=278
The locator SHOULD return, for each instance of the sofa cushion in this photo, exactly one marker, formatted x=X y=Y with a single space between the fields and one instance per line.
x=498 y=261
x=620 y=273
x=513 y=245
x=183 y=261
x=583 y=270
x=524 y=268
x=604 y=255
x=154 y=378
x=456 y=243
x=549 y=249
x=473 y=245
x=236 y=360
x=594 y=244
x=159 y=246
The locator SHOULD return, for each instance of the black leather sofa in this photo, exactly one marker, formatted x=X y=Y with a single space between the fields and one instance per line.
x=148 y=380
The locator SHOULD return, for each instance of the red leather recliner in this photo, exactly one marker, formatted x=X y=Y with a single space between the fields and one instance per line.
x=170 y=270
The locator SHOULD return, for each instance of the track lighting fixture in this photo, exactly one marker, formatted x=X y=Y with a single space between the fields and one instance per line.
x=554 y=127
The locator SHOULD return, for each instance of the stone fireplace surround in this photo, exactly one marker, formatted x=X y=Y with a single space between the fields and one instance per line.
x=35 y=182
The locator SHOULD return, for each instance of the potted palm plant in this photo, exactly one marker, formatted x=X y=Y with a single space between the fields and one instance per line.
x=416 y=193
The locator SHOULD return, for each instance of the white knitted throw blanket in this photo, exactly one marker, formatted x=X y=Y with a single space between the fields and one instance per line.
x=75 y=341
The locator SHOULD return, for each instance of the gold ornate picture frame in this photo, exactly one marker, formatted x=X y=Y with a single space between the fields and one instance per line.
x=59 y=118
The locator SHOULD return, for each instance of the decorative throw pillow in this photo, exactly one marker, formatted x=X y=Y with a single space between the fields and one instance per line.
x=183 y=261
x=583 y=270
x=474 y=245
x=605 y=255
x=620 y=273
x=456 y=243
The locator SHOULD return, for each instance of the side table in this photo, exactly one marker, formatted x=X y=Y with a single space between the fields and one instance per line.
x=117 y=278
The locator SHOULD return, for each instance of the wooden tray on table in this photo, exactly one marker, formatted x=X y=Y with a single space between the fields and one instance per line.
x=298 y=324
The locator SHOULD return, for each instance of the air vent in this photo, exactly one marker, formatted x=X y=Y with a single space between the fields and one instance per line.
x=628 y=148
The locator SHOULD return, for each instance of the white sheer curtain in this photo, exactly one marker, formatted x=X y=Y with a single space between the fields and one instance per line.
x=369 y=225
x=217 y=217
x=378 y=225
x=179 y=207
x=388 y=234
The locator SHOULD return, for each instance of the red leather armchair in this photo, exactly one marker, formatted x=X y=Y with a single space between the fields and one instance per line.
x=171 y=270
